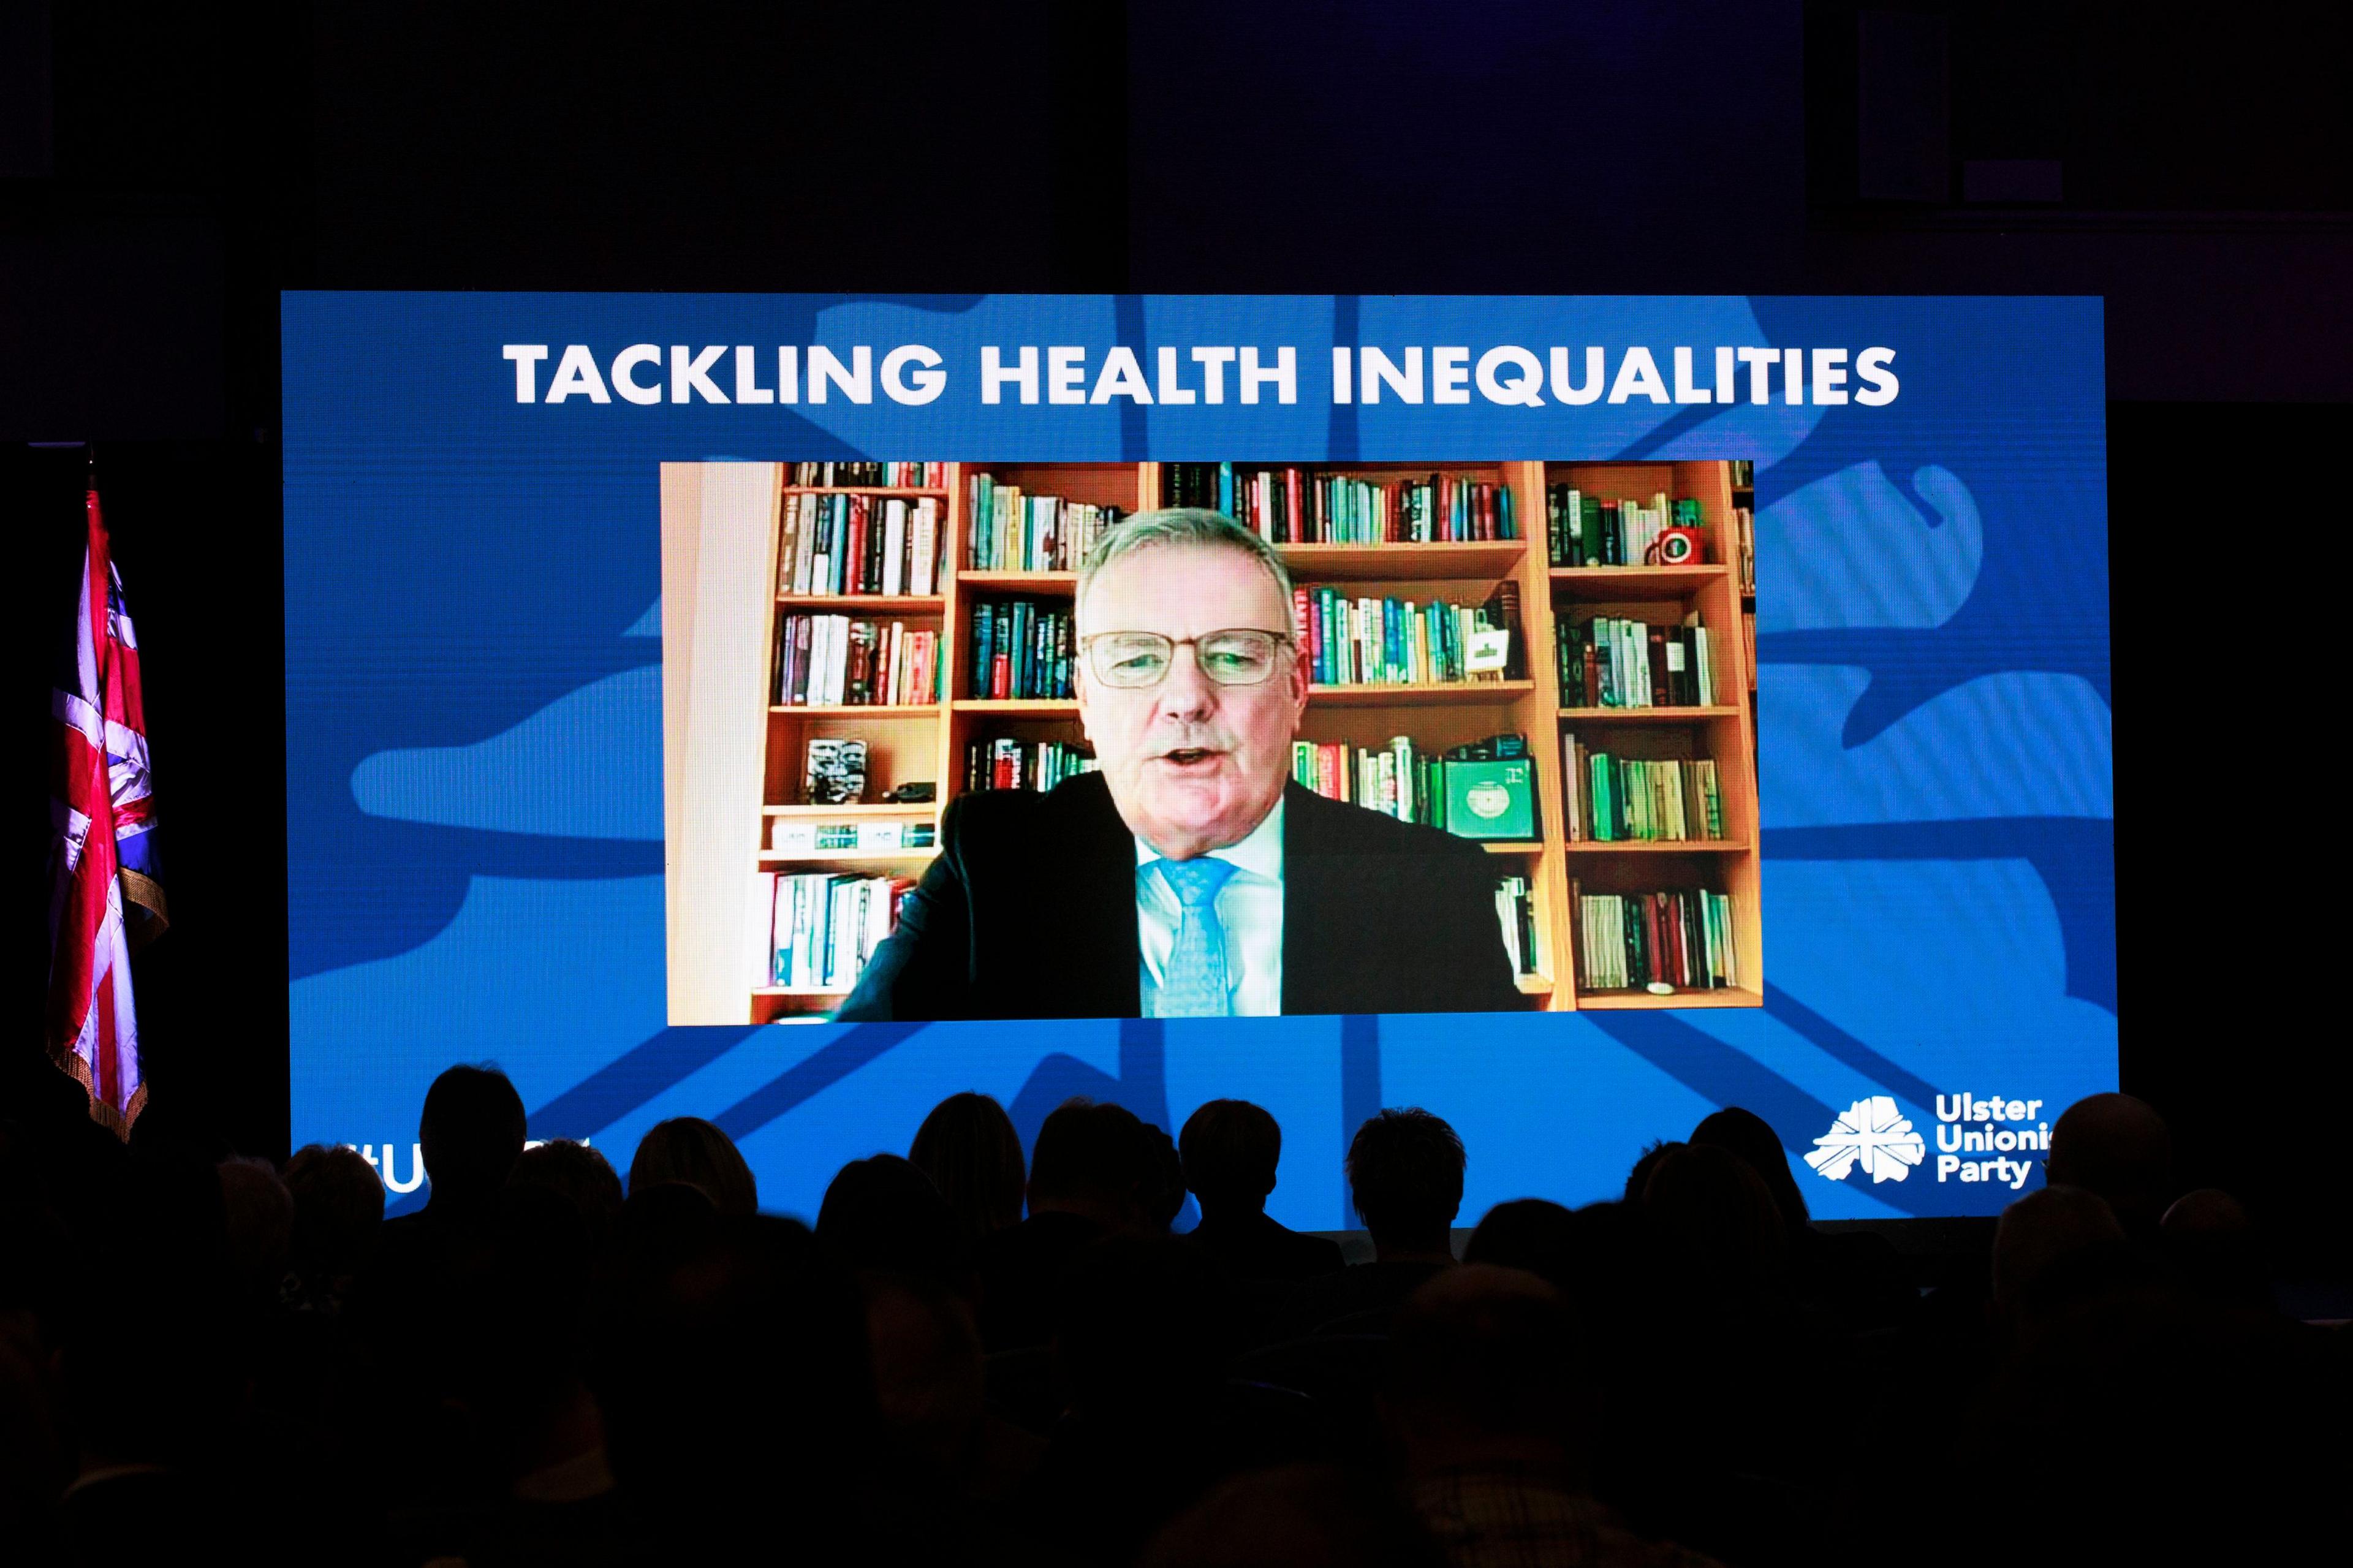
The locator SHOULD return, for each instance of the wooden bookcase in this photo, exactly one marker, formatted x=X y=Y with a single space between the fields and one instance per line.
x=710 y=893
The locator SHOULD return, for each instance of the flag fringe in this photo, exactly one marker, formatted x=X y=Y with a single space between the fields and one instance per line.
x=115 y=1121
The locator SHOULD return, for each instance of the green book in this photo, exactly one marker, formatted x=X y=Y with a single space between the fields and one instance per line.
x=1491 y=799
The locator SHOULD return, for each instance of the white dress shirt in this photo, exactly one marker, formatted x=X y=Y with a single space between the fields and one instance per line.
x=1250 y=908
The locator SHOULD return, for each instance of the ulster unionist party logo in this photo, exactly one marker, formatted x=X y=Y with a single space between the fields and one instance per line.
x=1872 y=1133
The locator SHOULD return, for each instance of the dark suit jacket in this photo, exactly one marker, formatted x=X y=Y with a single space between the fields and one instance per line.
x=1256 y=1246
x=1028 y=911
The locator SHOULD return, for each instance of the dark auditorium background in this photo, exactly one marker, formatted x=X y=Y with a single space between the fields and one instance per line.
x=165 y=171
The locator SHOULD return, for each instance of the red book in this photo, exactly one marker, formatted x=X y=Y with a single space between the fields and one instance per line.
x=1299 y=622
x=853 y=565
x=1294 y=505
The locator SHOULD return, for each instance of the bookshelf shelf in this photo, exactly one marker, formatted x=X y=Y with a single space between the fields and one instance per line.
x=860 y=711
x=1020 y=707
x=1472 y=693
x=1020 y=581
x=881 y=603
x=1485 y=561
x=934 y=742
x=854 y=813
x=886 y=490
x=1646 y=715
x=1637 y=581
x=1627 y=1001
x=817 y=858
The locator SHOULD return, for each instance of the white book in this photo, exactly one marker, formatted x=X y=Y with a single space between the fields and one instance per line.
x=804 y=545
x=925 y=550
x=837 y=660
x=895 y=543
x=820 y=659
x=1706 y=671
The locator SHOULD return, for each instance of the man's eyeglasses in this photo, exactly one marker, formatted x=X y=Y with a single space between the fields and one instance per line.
x=1131 y=661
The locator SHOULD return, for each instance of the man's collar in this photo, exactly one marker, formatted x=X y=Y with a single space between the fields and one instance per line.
x=1261 y=853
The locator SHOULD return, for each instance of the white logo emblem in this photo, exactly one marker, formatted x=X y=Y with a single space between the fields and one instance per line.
x=1873 y=1131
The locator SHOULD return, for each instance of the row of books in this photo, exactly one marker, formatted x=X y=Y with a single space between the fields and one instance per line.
x=1365 y=641
x=1609 y=662
x=823 y=927
x=836 y=661
x=1009 y=763
x=859 y=544
x=1011 y=531
x=1399 y=779
x=1515 y=908
x=1581 y=529
x=1616 y=799
x=1635 y=941
x=1743 y=535
x=887 y=476
x=1303 y=506
x=1021 y=649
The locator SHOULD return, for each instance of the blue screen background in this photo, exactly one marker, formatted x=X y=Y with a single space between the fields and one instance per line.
x=474 y=734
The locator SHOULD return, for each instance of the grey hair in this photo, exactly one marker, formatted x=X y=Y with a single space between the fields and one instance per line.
x=1180 y=525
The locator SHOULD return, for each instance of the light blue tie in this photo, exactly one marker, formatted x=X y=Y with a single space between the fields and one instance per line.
x=1195 y=986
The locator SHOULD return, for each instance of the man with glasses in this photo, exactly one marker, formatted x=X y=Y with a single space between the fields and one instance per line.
x=1190 y=877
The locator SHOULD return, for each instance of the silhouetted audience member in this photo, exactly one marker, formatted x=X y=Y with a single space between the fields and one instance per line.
x=1534 y=1234
x=1405 y=1177
x=1142 y=1329
x=968 y=1147
x=2212 y=1247
x=1295 y=1516
x=1492 y=1421
x=1093 y=1173
x=741 y=1406
x=1165 y=1193
x=258 y=1212
x=930 y=1389
x=688 y=1149
x=556 y=1500
x=416 y=1311
x=884 y=1213
x=338 y=1211
x=2120 y=1148
x=583 y=1176
x=1717 y=1225
x=1853 y=1279
x=2040 y=1231
x=1639 y=1178
x=1231 y=1148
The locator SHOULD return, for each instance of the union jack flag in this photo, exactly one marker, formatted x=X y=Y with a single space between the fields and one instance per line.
x=105 y=899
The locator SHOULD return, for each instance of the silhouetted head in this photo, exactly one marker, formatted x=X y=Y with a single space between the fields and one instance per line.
x=1097 y=1160
x=883 y=1214
x=1405 y=1177
x=2118 y=1147
x=338 y=1205
x=1230 y=1148
x=2211 y=1244
x=1164 y=1193
x=1142 y=1323
x=581 y=1176
x=688 y=1149
x=928 y=1383
x=1717 y=1224
x=473 y=1130
x=1297 y=1516
x=2039 y=1232
x=968 y=1147
x=258 y=1213
x=1645 y=1163
x=1752 y=1137
x=1482 y=1370
x=741 y=1390
x=1534 y=1234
